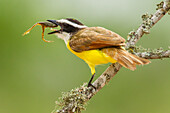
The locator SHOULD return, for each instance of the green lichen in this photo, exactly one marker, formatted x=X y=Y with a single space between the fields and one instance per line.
x=73 y=101
x=147 y=23
x=139 y=49
x=131 y=34
x=160 y=5
x=107 y=78
x=147 y=51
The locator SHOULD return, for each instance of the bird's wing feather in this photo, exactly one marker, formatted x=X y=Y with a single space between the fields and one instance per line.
x=95 y=38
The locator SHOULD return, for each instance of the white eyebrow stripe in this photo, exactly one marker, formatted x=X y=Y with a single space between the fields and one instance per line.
x=71 y=23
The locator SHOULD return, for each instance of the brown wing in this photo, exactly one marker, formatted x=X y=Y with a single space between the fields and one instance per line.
x=95 y=38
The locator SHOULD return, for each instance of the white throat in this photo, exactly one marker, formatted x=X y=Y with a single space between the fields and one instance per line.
x=65 y=36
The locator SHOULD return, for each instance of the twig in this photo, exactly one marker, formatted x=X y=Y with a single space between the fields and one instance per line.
x=154 y=19
x=71 y=105
x=152 y=55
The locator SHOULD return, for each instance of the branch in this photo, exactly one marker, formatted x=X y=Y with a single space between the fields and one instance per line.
x=152 y=55
x=148 y=23
x=74 y=100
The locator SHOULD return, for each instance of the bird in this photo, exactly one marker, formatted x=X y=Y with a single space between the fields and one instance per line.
x=95 y=45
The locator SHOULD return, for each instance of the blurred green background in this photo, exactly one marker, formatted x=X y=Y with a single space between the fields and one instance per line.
x=33 y=73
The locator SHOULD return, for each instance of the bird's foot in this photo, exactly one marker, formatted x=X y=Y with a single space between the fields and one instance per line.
x=90 y=85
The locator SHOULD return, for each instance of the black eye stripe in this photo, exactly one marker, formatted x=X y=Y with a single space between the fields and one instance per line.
x=68 y=28
x=74 y=21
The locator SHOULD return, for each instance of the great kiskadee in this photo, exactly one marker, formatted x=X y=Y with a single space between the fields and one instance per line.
x=95 y=45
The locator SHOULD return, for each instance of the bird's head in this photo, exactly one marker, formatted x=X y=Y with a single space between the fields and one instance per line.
x=68 y=27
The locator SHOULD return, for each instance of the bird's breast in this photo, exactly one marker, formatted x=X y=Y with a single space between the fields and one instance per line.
x=93 y=57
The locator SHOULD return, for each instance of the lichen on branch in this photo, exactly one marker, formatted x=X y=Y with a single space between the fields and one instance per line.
x=74 y=100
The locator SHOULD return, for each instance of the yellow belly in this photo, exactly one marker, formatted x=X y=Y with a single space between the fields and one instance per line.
x=93 y=57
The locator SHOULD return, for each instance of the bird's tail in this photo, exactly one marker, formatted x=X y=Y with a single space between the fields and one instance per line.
x=125 y=58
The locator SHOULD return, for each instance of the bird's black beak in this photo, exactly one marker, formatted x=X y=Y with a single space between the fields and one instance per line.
x=54 y=22
x=54 y=32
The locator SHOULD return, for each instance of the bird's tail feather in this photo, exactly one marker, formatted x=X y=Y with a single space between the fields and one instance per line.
x=125 y=58
x=129 y=60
